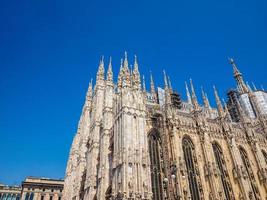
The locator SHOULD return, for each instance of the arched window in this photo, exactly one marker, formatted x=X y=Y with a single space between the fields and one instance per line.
x=245 y=159
x=223 y=171
x=264 y=155
x=188 y=149
x=155 y=158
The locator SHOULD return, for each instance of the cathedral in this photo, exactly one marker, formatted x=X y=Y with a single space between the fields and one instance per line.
x=133 y=143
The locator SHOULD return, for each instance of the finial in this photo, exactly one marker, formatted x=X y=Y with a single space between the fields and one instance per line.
x=218 y=102
x=205 y=99
x=100 y=72
x=165 y=80
x=248 y=86
x=231 y=60
x=189 y=100
x=110 y=73
x=144 y=84
x=194 y=97
x=254 y=87
x=152 y=86
x=90 y=90
x=170 y=84
x=227 y=111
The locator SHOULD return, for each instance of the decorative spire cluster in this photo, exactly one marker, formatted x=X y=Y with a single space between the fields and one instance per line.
x=131 y=78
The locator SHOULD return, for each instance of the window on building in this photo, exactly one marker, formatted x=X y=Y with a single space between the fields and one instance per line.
x=9 y=197
x=31 y=196
x=42 y=197
x=4 y=197
x=27 y=196
x=43 y=189
x=13 y=197
x=246 y=163
x=59 y=198
x=52 y=190
x=18 y=197
x=51 y=198
x=188 y=150
x=223 y=171
x=155 y=158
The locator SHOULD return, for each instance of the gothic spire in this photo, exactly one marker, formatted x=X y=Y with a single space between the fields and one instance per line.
x=144 y=84
x=227 y=111
x=165 y=80
x=248 y=86
x=254 y=86
x=89 y=93
x=121 y=75
x=152 y=85
x=101 y=70
x=170 y=84
x=218 y=102
x=205 y=98
x=194 y=97
x=110 y=73
x=136 y=75
x=189 y=100
x=238 y=77
x=127 y=76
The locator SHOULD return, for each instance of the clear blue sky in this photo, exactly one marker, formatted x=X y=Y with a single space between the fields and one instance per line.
x=49 y=50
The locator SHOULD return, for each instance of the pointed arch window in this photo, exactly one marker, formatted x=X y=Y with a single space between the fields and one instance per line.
x=155 y=160
x=189 y=152
x=223 y=171
x=246 y=163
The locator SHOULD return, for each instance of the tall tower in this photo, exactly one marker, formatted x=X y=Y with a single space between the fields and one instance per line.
x=131 y=177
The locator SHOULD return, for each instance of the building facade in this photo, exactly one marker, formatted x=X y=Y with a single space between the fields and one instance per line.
x=10 y=192
x=34 y=188
x=132 y=143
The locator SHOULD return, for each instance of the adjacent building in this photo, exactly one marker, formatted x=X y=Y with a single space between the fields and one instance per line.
x=34 y=188
x=133 y=143
x=10 y=192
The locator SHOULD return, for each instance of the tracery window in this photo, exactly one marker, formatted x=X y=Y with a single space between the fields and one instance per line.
x=155 y=159
x=190 y=161
x=245 y=159
x=223 y=171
